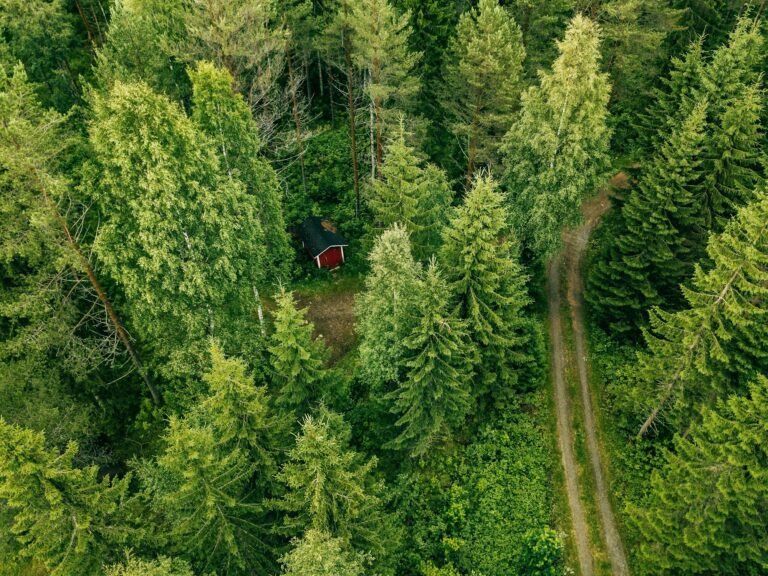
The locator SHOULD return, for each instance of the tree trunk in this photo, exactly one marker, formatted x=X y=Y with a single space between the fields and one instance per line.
x=293 y=89
x=102 y=295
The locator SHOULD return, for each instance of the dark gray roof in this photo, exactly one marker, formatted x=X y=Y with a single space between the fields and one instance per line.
x=319 y=234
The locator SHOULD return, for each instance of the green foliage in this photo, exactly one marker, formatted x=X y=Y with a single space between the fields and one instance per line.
x=704 y=513
x=470 y=510
x=183 y=241
x=416 y=197
x=161 y=567
x=332 y=489
x=488 y=287
x=715 y=346
x=42 y=36
x=543 y=553
x=240 y=413
x=386 y=309
x=483 y=80
x=296 y=358
x=60 y=516
x=226 y=118
x=197 y=492
x=318 y=554
x=139 y=47
x=657 y=243
x=557 y=151
x=434 y=397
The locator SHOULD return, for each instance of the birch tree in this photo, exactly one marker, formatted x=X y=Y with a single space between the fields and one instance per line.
x=557 y=151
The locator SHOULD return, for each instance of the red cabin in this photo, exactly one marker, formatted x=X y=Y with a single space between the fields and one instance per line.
x=322 y=242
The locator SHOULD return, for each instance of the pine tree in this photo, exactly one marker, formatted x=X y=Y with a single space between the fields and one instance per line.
x=163 y=566
x=385 y=310
x=331 y=489
x=548 y=174
x=61 y=517
x=658 y=241
x=199 y=487
x=225 y=116
x=487 y=283
x=183 y=241
x=435 y=395
x=318 y=554
x=380 y=40
x=240 y=413
x=705 y=513
x=415 y=196
x=714 y=347
x=296 y=359
x=483 y=80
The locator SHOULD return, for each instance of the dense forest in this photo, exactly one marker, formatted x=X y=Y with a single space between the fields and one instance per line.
x=185 y=391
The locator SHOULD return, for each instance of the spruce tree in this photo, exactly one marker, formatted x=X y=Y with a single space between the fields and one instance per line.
x=557 y=151
x=319 y=554
x=61 y=517
x=225 y=116
x=240 y=413
x=488 y=285
x=332 y=489
x=715 y=346
x=435 y=395
x=410 y=194
x=182 y=241
x=380 y=38
x=658 y=241
x=198 y=487
x=295 y=357
x=705 y=513
x=483 y=80
x=385 y=309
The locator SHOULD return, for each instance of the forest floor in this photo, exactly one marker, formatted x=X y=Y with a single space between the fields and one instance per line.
x=331 y=308
x=570 y=361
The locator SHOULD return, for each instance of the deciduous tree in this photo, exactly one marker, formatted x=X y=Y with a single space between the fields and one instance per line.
x=557 y=151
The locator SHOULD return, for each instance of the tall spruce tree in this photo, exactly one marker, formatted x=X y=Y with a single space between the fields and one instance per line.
x=225 y=116
x=716 y=346
x=705 y=513
x=332 y=489
x=659 y=237
x=241 y=414
x=295 y=357
x=380 y=38
x=483 y=80
x=435 y=395
x=197 y=489
x=386 y=308
x=182 y=240
x=410 y=194
x=487 y=284
x=557 y=151
x=61 y=517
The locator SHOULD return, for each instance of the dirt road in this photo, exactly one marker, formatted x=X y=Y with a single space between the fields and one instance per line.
x=575 y=243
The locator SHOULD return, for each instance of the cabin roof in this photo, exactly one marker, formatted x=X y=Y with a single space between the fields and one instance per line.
x=318 y=234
